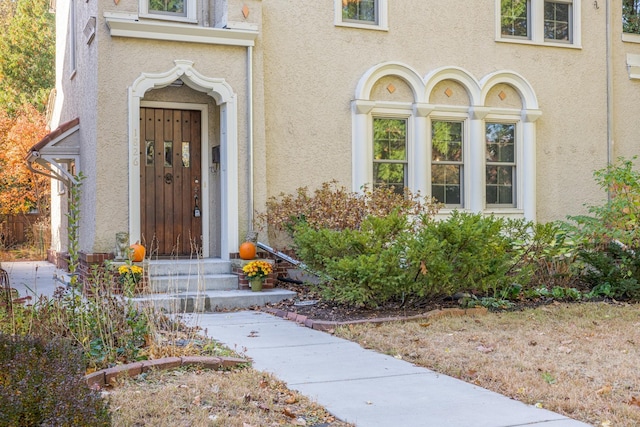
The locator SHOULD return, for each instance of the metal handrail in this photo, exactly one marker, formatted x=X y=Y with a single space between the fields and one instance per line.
x=290 y=260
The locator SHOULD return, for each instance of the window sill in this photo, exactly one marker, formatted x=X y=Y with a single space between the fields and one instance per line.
x=546 y=43
x=374 y=27
x=631 y=38
x=506 y=212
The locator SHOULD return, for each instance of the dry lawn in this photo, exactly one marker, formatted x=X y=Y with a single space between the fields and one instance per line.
x=580 y=360
x=195 y=398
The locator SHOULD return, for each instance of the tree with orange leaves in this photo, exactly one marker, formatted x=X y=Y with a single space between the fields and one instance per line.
x=21 y=190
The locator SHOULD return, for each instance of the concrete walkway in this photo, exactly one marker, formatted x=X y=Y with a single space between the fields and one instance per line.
x=364 y=387
x=34 y=278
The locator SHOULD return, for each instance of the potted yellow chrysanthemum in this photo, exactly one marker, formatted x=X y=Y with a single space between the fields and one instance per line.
x=130 y=276
x=256 y=272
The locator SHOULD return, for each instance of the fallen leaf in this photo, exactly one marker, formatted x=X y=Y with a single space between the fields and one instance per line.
x=425 y=325
x=288 y=413
x=483 y=349
x=604 y=390
x=291 y=400
x=423 y=268
x=196 y=400
x=634 y=401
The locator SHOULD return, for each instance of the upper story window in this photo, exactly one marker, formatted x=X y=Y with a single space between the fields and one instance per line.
x=631 y=16
x=539 y=22
x=360 y=11
x=170 y=7
x=368 y=14
x=172 y=10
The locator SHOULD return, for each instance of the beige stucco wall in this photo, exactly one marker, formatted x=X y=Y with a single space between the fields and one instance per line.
x=314 y=66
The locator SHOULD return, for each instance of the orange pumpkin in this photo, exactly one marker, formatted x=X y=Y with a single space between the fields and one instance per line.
x=137 y=252
x=247 y=250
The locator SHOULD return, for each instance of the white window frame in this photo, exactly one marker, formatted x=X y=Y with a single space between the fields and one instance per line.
x=382 y=17
x=506 y=119
x=437 y=115
x=536 y=25
x=190 y=12
x=394 y=115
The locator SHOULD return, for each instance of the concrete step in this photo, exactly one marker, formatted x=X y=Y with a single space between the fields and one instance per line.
x=198 y=275
x=194 y=283
x=211 y=301
x=189 y=267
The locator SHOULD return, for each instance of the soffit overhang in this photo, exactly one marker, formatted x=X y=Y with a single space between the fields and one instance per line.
x=59 y=146
x=145 y=29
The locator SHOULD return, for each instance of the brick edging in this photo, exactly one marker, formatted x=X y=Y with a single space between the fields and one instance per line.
x=326 y=325
x=109 y=376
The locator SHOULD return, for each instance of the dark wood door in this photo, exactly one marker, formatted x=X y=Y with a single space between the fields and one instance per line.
x=170 y=181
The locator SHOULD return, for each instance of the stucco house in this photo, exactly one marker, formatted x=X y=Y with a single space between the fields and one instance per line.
x=185 y=116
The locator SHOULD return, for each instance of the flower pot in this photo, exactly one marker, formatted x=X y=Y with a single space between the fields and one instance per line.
x=256 y=284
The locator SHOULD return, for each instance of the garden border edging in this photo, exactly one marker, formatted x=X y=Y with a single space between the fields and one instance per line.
x=327 y=325
x=109 y=376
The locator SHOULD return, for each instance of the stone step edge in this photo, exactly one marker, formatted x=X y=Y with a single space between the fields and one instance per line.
x=109 y=376
x=329 y=326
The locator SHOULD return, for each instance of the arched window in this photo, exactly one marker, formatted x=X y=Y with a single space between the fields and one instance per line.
x=468 y=143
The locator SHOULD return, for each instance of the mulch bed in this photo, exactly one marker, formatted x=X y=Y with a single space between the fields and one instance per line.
x=311 y=305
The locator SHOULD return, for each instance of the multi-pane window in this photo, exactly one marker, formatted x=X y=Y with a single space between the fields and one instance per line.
x=360 y=11
x=500 y=152
x=557 y=21
x=447 y=162
x=173 y=7
x=170 y=10
x=390 y=153
x=514 y=18
x=631 y=16
x=540 y=21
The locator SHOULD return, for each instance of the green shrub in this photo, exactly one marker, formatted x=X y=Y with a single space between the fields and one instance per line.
x=41 y=384
x=465 y=252
x=393 y=258
x=609 y=239
x=613 y=271
x=364 y=264
x=548 y=254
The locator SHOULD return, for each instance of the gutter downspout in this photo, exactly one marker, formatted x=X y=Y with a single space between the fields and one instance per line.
x=609 y=52
x=250 y=134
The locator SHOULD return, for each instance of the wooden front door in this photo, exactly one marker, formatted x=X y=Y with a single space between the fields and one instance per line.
x=170 y=181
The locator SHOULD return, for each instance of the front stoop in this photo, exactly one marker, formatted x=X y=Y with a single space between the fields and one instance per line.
x=213 y=301
x=201 y=286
